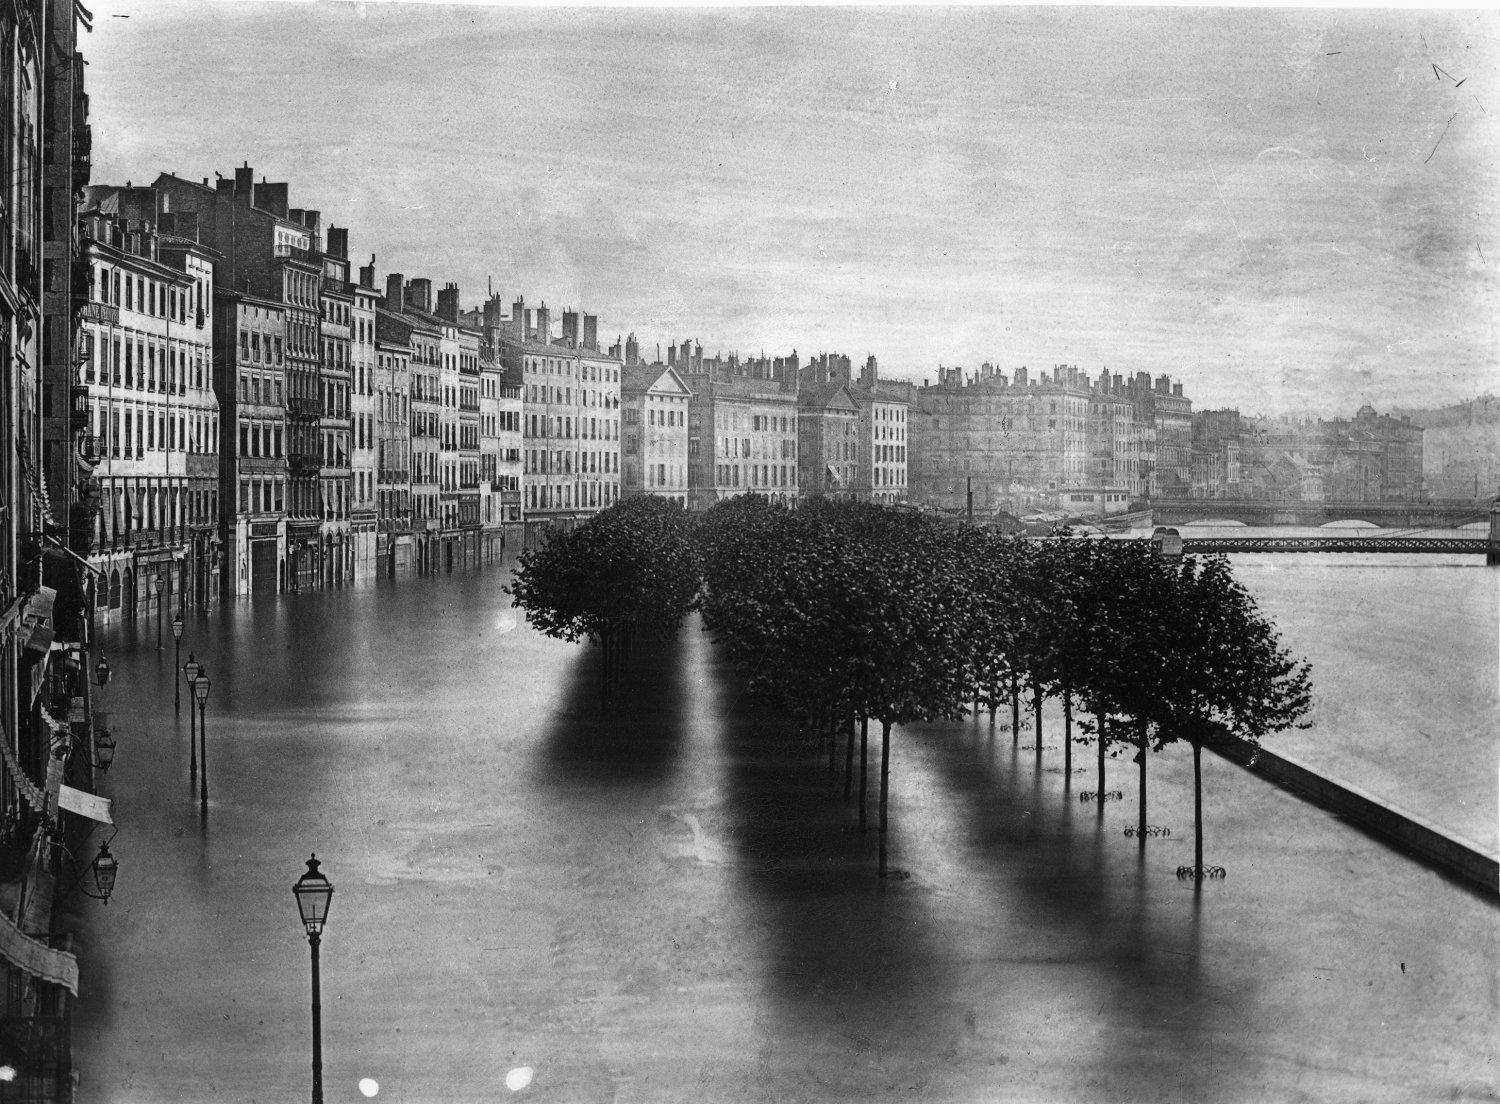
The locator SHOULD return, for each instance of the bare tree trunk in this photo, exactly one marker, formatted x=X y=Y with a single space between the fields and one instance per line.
x=1103 y=739
x=1142 y=740
x=1036 y=708
x=864 y=768
x=1015 y=708
x=885 y=787
x=1197 y=810
x=1067 y=696
x=849 y=759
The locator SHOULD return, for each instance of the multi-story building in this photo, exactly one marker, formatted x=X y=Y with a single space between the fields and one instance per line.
x=335 y=421
x=501 y=437
x=1163 y=406
x=394 y=421
x=460 y=383
x=250 y=337
x=1012 y=444
x=654 y=404
x=1121 y=450
x=363 y=516
x=828 y=437
x=500 y=443
x=410 y=302
x=267 y=249
x=150 y=400
x=571 y=417
x=46 y=526
x=742 y=427
x=881 y=467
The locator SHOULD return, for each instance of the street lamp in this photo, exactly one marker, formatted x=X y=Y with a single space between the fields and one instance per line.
x=190 y=671
x=101 y=671
x=156 y=586
x=200 y=691
x=177 y=661
x=106 y=869
x=314 y=893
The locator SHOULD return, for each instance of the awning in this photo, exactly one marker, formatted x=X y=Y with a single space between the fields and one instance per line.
x=36 y=958
x=85 y=804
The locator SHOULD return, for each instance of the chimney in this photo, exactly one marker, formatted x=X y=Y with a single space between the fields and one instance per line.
x=492 y=311
x=395 y=301
x=419 y=293
x=671 y=356
x=338 y=242
x=570 y=328
x=271 y=198
x=1177 y=390
x=519 y=322
x=367 y=273
x=544 y=324
x=244 y=181
x=447 y=303
x=591 y=331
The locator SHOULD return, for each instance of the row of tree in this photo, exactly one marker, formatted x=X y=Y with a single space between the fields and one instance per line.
x=845 y=613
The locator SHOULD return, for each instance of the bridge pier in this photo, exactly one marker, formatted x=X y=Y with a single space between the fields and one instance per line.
x=1492 y=551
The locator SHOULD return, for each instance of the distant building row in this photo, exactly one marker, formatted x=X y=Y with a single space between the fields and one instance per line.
x=1368 y=458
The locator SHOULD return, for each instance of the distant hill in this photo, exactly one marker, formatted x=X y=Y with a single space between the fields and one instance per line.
x=1460 y=448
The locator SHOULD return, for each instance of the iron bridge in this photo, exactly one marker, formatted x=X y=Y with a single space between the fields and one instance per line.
x=1451 y=546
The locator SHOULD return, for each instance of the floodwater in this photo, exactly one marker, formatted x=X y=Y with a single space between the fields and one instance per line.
x=672 y=901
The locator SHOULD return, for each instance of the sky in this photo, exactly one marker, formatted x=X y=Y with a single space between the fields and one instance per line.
x=1289 y=211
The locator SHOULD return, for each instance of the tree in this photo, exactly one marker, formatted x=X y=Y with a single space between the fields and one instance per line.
x=1228 y=673
x=629 y=569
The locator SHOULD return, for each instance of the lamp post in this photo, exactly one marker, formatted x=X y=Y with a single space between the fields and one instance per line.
x=200 y=691
x=177 y=662
x=314 y=893
x=190 y=671
x=156 y=586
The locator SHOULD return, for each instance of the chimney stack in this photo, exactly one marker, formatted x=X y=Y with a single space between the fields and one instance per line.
x=395 y=299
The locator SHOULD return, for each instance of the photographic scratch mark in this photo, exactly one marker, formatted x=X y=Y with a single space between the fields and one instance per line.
x=1460 y=84
x=1333 y=53
x=1439 y=141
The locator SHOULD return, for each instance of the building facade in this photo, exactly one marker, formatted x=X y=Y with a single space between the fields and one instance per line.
x=828 y=439
x=742 y=429
x=1017 y=443
x=251 y=354
x=151 y=405
x=654 y=433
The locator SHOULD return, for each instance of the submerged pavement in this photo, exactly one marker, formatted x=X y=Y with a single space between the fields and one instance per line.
x=671 y=901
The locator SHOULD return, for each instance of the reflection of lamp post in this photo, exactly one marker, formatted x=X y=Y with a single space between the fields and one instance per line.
x=176 y=662
x=101 y=672
x=190 y=671
x=104 y=749
x=156 y=586
x=200 y=691
x=314 y=894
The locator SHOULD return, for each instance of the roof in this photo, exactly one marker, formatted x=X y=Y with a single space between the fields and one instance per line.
x=834 y=397
x=641 y=378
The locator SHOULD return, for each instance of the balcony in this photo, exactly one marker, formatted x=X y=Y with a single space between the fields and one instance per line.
x=304 y=408
x=304 y=463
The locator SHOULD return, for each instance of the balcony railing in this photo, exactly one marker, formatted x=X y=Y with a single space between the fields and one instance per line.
x=304 y=408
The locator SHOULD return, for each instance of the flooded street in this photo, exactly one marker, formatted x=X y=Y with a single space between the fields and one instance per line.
x=672 y=902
